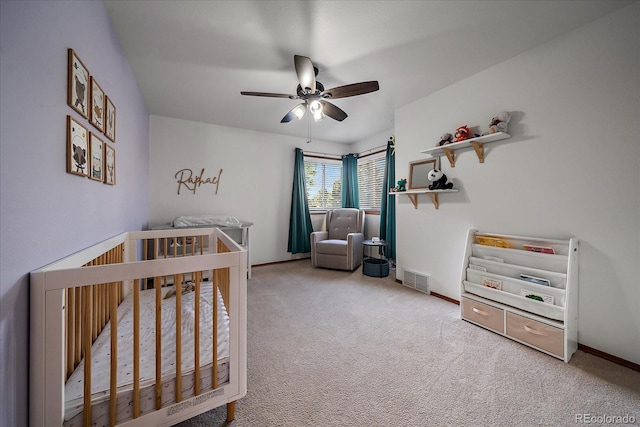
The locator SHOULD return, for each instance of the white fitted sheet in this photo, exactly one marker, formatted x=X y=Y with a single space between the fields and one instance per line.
x=100 y=357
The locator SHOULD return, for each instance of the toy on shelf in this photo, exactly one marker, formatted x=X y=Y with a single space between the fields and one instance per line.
x=438 y=180
x=462 y=133
x=402 y=185
x=500 y=122
x=447 y=138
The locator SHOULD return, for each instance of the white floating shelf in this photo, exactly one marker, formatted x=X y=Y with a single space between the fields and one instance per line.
x=477 y=144
x=413 y=195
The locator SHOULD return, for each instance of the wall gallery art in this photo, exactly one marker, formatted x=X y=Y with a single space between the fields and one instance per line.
x=109 y=165
x=96 y=163
x=78 y=85
x=97 y=105
x=87 y=153
x=110 y=119
x=77 y=147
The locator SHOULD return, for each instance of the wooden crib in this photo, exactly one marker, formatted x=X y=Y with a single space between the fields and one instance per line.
x=178 y=344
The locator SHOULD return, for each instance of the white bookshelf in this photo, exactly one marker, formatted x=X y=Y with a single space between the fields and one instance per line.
x=514 y=310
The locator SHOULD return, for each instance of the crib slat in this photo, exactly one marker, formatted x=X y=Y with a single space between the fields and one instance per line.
x=196 y=332
x=158 y=388
x=87 y=355
x=145 y=257
x=71 y=330
x=177 y=282
x=214 y=335
x=136 y=348
x=78 y=321
x=113 y=382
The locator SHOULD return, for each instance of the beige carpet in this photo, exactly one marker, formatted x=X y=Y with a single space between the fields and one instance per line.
x=330 y=348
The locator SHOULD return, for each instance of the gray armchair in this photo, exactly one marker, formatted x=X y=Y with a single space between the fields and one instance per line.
x=340 y=247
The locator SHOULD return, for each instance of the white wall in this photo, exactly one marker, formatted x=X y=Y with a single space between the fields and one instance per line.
x=255 y=184
x=570 y=169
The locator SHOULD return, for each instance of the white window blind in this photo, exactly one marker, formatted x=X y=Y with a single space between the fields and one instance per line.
x=323 y=181
x=370 y=180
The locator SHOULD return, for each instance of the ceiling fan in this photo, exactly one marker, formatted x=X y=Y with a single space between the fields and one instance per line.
x=314 y=95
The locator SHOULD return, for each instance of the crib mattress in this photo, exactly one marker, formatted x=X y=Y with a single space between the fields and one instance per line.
x=100 y=363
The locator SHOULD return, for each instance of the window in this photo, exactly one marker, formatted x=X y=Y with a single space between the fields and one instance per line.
x=323 y=180
x=323 y=183
x=371 y=180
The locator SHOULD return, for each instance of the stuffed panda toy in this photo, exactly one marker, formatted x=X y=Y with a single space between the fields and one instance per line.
x=438 y=180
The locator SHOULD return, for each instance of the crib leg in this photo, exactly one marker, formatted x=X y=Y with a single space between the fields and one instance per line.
x=231 y=411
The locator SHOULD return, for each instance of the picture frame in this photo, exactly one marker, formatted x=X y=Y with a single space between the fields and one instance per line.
x=77 y=148
x=78 y=85
x=110 y=119
x=109 y=165
x=418 y=172
x=96 y=157
x=97 y=105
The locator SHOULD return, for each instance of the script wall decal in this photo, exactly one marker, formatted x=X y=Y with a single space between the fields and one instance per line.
x=185 y=177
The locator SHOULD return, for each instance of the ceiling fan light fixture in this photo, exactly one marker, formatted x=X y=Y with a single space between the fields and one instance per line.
x=315 y=107
x=299 y=111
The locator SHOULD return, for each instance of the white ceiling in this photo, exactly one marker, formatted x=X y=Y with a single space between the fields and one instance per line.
x=191 y=59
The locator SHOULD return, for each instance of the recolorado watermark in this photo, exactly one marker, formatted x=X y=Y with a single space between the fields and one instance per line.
x=604 y=419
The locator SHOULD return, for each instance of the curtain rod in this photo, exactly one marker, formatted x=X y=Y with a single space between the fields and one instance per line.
x=322 y=155
x=339 y=156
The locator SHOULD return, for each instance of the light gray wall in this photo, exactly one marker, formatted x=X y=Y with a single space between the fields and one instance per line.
x=255 y=184
x=570 y=169
x=46 y=213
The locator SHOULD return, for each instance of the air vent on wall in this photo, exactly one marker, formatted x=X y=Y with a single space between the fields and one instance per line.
x=418 y=281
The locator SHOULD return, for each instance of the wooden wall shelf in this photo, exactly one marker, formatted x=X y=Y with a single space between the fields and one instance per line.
x=433 y=194
x=477 y=144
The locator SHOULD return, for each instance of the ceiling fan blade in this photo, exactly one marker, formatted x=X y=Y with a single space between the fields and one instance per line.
x=332 y=111
x=296 y=112
x=353 y=89
x=270 y=95
x=306 y=73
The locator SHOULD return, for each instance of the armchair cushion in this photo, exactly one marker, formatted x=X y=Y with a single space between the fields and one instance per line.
x=342 y=222
x=332 y=247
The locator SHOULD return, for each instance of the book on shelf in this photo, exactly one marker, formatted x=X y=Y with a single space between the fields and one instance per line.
x=541 y=249
x=492 y=283
x=537 y=296
x=536 y=280
x=492 y=241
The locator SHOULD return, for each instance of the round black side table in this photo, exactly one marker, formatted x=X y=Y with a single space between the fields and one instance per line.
x=375 y=267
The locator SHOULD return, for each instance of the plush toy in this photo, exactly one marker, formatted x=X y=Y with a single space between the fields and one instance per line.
x=438 y=180
x=500 y=122
x=447 y=138
x=402 y=185
x=462 y=133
